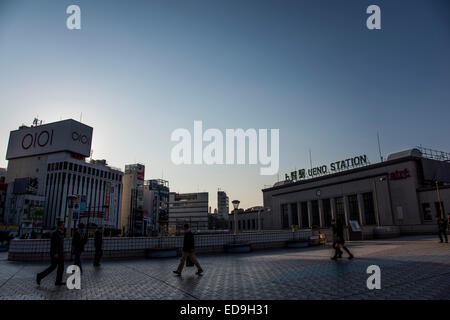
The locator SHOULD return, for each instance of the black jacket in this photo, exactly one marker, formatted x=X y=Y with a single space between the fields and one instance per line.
x=98 y=240
x=78 y=242
x=57 y=244
x=442 y=224
x=188 y=243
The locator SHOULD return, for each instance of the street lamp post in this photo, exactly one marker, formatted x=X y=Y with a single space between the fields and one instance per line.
x=439 y=199
x=376 y=198
x=235 y=211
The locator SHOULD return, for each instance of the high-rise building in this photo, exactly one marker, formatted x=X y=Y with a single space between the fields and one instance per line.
x=47 y=164
x=190 y=208
x=133 y=222
x=3 y=191
x=156 y=206
x=223 y=205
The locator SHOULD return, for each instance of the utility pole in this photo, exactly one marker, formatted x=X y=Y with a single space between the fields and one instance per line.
x=439 y=199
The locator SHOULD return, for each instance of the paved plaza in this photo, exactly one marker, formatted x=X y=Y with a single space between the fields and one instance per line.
x=411 y=268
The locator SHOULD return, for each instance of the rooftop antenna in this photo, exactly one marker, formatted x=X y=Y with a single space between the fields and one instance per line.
x=379 y=146
x=310 y=158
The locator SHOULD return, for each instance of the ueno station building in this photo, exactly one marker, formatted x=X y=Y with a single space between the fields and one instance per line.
x=400 y=195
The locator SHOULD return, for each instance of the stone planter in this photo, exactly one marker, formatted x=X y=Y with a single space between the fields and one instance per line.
x=386 y=232
x=161 y=253
x=238 y=247
x=297 y=243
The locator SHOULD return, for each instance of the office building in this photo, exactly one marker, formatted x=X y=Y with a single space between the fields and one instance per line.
x=223 y=205
x=156 y=206
x=133 y=221
x=47 y=164
x=190 y=208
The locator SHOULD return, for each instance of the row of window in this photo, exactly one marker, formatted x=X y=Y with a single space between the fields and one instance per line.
x=302 y=214
x=249 y=224
x=56 y=199
x=83 y=169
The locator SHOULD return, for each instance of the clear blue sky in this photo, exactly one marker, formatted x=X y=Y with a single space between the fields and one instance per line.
x=138 y=70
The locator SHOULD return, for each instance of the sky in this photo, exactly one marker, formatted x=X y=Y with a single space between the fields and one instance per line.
x=138 y=70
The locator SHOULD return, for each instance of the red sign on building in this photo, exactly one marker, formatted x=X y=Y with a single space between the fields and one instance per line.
x=400 y=174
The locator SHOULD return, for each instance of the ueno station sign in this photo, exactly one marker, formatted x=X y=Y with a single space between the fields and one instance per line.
x=334 y=167
x=68 y=135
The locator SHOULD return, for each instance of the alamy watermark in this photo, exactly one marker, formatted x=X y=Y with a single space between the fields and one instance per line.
x=218 y=152
x=374 y=280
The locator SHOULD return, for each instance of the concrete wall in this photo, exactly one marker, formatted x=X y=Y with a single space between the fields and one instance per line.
x=116 y=248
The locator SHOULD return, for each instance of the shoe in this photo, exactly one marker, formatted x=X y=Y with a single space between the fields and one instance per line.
x=62 y=283
x=199 y=272
x=38 y=280
x=441 y=241
x=334 y=258
x=178 y=273
x=350 y=257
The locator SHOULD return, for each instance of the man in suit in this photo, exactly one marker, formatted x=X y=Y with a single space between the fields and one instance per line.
x=78 y=242
x=56 y=256
x=98 y=242
x=188 y=251
x=442 y=228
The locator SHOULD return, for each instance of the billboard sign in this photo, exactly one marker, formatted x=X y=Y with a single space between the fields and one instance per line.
x=67 y=135
x=107 y=200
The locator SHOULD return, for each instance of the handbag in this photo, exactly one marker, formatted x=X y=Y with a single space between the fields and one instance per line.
x=189 y=262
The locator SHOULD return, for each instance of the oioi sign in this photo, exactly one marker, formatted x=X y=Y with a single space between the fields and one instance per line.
x=334 y=167
x=68 y=135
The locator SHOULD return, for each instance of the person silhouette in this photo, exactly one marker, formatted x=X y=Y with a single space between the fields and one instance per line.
x=188 y=252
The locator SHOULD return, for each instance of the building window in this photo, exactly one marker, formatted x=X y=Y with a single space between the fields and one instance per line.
x=326 y=204
x=294 y=214
x=438 y=208
x=239 y=225
x=353 y=207
x=70 y=166
x=340 y=211
x=304 y=214
x=49 y=167
x=65 y=165
x=75 y=167
x=369 y=211
x=426 y=212
x=315 y=212
x=254 y=224
x=89 y=170
x=284 y=216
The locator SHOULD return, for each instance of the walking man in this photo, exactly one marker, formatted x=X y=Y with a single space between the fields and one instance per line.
x=98 y=242
x=442 y=228
x=56 y=256
x=338 y=240
x=78 y=243
x=188 y=251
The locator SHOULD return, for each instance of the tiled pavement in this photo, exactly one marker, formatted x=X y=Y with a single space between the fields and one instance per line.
x=411 y=268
